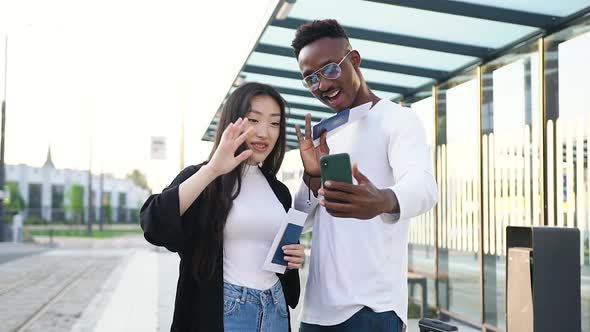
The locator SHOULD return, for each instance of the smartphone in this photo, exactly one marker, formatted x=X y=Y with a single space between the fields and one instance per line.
x=336 y=167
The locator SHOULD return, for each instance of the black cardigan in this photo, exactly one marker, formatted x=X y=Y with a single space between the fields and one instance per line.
x=199 y=306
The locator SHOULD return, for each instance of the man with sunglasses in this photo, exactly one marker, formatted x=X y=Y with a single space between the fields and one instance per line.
x=358 y=270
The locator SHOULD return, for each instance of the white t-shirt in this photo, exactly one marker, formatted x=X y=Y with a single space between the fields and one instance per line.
x=357 y=263
x=251 y=226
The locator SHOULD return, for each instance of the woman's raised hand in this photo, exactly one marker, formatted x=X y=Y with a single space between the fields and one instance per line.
x=224 y=159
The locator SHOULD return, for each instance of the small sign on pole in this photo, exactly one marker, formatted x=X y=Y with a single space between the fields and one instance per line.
x=158 y=147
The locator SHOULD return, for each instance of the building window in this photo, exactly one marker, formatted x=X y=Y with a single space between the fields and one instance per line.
x=106 y=207
x=57 y=203
x=122 y=208
x=34 y=201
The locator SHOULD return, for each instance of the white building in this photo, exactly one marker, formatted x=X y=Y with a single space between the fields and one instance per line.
x=45 y=192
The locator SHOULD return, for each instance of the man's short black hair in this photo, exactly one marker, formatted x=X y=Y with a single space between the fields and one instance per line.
x=309 y=32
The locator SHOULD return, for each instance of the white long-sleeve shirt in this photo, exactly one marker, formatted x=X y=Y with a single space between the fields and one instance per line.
x=357 y=263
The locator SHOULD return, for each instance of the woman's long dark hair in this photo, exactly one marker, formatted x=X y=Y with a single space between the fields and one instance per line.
x=217 y=198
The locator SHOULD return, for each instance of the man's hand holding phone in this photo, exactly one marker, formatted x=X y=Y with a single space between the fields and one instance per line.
x=360 y=201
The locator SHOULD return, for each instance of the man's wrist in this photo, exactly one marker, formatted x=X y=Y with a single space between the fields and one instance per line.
x=306 y=173
x=390 y=202
x=313 y=183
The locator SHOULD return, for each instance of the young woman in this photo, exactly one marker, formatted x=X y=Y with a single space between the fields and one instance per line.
x=221 y=217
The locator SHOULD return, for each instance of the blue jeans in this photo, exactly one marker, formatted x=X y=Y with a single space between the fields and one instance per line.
x=365 y=320
x=251 y=310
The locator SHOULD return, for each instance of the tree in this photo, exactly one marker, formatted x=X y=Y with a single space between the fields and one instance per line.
x=14 y=202
x=139 y=179
x=76 y=202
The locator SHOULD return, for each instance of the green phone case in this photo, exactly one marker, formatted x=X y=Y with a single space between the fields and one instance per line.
x=336 y=167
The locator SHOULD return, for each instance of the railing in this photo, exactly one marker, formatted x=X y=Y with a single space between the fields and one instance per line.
x=44 y=215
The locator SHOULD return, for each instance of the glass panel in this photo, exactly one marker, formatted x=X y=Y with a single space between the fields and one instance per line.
x=301 y=112
x=371 y=75
x=379 y=76
x=457 y=167
x=445 y=26
x=274 y=81
x=421 y=254
x=303 y=100
x=274 y=61
x=559 y=8
x=278 y=36
x=511 y=164
x=568 y=127
x=295 y=98
x=382 y=52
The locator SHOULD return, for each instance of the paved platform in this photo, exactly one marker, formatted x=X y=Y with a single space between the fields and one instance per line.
x=11 y=251
x=95 y=285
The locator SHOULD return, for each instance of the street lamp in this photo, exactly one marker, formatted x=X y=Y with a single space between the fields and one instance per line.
x=284 y=10
x=90 y=209
x=2 y=141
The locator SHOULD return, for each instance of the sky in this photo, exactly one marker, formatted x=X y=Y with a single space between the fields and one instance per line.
x=110 y=74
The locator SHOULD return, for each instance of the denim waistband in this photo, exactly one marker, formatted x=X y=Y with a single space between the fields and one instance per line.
x=243 y=294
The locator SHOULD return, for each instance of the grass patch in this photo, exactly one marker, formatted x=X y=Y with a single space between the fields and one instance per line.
x=96 y=234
